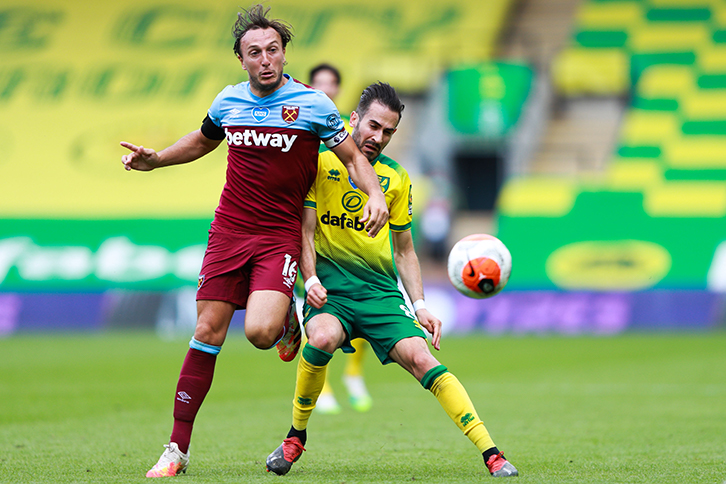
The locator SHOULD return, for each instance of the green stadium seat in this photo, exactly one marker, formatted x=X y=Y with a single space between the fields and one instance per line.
x=679 y=14
x=711 y=81
x=719 y=36
x=601 y=39
x=641 y=62
x=715 y=174
x=717 y=126
x=682 y=3
x=659 y=104
x=639 y=151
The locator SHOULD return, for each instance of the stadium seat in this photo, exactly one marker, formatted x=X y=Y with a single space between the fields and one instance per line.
x=685 y=199
x=695 y=152
x=711 y=59
x=679 y=13
x=704 y=104
x=609 y=15
x=665 y=81
x=542 y=197
x=644 y=127
x=634 y=173
x=669 y=37
x=579 y=71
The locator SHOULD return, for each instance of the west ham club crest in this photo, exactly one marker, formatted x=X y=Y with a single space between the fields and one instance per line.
x=290 y=113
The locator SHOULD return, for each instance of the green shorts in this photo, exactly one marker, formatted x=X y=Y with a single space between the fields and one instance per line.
x=382 y=318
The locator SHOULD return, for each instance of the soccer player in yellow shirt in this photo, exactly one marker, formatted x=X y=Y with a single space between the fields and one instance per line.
x=352 y=288
x=326 y=78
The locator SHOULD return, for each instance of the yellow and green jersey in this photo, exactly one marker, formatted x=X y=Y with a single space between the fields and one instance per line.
x=348 y=261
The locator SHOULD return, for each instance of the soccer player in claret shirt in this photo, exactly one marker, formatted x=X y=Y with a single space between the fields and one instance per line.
x=352 y=288
x=273 y=126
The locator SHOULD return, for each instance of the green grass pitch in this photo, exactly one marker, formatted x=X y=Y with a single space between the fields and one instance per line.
x=636 y=408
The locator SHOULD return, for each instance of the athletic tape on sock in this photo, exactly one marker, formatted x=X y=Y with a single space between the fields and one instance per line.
x=204 y=347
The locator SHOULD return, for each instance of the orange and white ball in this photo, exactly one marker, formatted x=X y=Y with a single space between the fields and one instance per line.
x=479 y=266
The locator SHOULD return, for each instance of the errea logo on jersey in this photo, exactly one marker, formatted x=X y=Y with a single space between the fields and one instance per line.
x=250 y=137
x=334 y=175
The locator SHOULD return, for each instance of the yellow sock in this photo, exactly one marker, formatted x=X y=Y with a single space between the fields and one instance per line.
x=354 y=362
x=311 y=371
x=453 y=397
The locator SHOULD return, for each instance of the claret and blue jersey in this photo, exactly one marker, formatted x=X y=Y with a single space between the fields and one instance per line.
x=273 y=150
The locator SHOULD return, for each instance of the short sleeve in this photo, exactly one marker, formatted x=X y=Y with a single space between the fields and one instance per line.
x=401 y=210
x=214 y=111
x=326 y=122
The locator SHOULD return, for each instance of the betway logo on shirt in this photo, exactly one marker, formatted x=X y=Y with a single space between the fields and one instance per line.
x=250 y=137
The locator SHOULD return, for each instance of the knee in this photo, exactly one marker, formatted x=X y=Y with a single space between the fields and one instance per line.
x=421 y=362
x=323 y=340
x=208 y=333
x=262 y=336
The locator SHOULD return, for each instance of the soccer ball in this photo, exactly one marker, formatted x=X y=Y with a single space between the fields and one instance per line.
x=479 y=266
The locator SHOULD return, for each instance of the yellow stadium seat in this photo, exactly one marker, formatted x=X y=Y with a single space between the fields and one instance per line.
x=686 y=199
x=648 y=128
x=537 y=197
x=633 y=173
x=704 y=104
x=609 y=15
x=665 y=81
x=718 y=14
x=578 y=71
x=669 y=37
x=712 y=59
x=695 y=152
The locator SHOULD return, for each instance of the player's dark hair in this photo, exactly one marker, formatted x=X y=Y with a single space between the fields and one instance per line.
x=383 y=93
x=325 y=67
x=255 y=18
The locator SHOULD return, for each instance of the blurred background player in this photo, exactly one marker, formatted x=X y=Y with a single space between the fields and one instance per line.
x=352 y=287
x=254 y=242
x=326 y=78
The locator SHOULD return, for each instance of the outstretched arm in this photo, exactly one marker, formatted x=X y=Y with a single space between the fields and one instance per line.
x=186 y=149
x=317 y=294
x=375 y=212
x=410 y=272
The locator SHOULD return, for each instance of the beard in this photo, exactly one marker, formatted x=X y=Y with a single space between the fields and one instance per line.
x=360 y=144
x=266 y=88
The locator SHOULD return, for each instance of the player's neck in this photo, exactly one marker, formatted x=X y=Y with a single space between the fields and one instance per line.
x=257 y=92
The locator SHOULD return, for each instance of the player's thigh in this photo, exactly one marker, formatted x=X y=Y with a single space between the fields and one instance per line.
x=383 y=320
x=414 y=356
x=213 y=318
x=266 y=313
x=325 y=332
x=338 y=314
